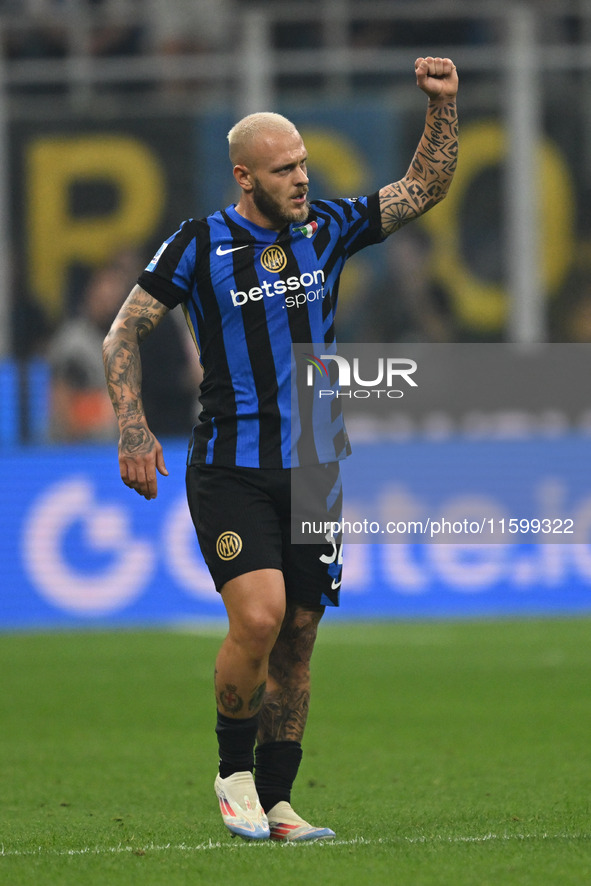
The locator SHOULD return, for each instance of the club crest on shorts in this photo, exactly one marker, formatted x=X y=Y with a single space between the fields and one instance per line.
x=228 y=545
x=273 y=258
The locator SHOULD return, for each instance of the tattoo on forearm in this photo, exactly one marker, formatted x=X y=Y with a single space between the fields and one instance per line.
x=430 y=173
x=136 y=320
x=124 y=376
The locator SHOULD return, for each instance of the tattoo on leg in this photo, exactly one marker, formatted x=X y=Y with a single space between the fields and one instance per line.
x=230 y=700
x=283 y=716
x=286 y=704
x=257 y=697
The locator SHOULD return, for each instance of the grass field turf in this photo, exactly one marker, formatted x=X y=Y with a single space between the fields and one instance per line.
x=443 y=753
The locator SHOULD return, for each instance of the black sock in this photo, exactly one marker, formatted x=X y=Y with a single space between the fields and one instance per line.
x=236 y=740
x=277 y=765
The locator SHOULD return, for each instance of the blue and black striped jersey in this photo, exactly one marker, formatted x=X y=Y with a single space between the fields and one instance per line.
x=249 y=293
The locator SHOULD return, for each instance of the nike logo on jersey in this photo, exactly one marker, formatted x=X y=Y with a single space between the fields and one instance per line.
x=220 y=251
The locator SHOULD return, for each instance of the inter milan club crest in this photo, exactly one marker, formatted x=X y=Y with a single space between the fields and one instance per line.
x=273 y=259
x=228 y=545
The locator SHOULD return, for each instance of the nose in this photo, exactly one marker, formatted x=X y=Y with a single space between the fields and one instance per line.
x=301 y=176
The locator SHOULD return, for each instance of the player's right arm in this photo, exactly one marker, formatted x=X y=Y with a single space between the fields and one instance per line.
x=140 y=453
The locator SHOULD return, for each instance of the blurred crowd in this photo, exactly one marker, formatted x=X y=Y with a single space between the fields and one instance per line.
x=47 y=28
x=79 y=406
x=58 y=29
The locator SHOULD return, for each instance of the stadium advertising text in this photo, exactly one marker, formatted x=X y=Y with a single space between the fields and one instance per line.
x=78 y=549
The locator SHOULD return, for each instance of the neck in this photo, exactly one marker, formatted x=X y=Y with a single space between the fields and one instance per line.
x=250 y=212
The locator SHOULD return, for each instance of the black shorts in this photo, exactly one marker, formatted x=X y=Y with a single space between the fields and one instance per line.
x=242 y=517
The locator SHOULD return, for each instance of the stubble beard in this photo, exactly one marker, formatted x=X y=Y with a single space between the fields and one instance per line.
x=274 y=212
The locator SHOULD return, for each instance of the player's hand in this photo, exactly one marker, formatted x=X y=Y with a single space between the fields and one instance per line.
x=437 y=77
x=140 y=456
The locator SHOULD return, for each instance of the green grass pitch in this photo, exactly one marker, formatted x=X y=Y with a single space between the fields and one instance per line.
x=444 y=753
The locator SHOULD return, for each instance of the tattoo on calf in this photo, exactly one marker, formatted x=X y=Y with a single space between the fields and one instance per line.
x=230 y=700
x=257 y=697
x=284 y=715
x=285 y=710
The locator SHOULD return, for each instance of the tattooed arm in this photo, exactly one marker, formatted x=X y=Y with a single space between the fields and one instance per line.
x=431 y=171
x=140 y=453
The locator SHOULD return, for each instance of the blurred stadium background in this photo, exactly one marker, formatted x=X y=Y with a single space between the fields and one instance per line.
x=113 y=115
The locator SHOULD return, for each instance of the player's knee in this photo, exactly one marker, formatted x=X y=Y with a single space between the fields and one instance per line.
x=264 y=629
x=301 y=627
x=257 y=632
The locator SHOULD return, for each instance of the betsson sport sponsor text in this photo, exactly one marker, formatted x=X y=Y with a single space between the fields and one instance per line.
x=298 y=285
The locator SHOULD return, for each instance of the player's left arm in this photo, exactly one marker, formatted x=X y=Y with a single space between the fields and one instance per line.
x=430 y=174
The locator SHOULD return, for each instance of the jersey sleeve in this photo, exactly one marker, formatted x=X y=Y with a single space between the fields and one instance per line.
x=170 y=276
x=360 y=221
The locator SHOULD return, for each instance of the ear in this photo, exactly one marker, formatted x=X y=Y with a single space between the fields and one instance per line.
x=243 y=177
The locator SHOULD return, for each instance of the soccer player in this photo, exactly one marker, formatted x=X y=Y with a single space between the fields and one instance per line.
x=252 y=280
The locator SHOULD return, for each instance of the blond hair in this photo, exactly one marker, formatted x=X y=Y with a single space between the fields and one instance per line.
x=243 y=133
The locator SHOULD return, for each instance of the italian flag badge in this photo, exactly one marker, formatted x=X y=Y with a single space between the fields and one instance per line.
x=308 y=230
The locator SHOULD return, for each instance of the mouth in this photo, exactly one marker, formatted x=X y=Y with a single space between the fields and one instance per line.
x=300 y=199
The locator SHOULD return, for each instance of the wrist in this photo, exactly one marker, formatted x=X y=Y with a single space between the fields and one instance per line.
x=439 y=100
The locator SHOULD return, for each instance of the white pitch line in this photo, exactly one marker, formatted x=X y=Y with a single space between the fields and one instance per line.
x=356 y=841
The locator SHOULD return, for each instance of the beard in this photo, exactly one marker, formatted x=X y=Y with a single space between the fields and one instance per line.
x=272 y=209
